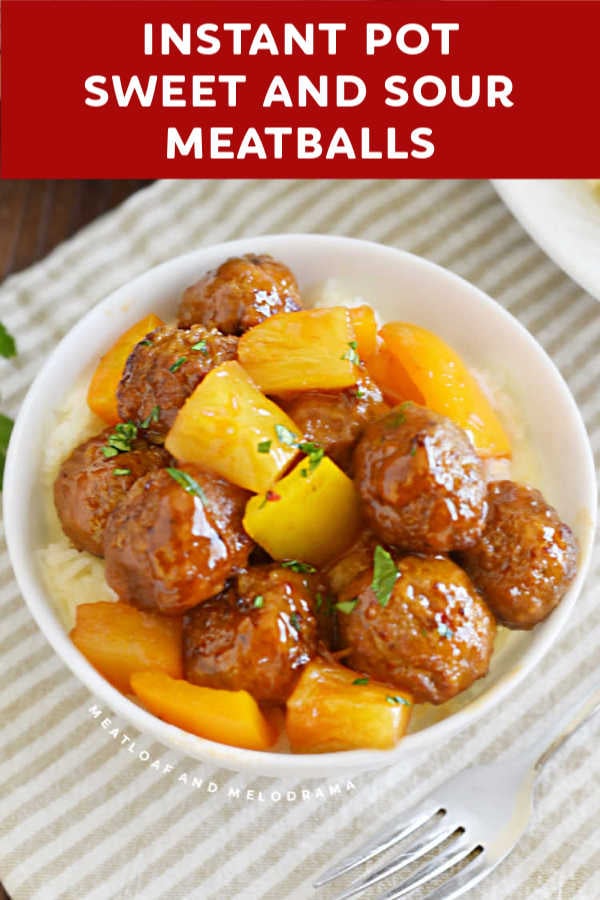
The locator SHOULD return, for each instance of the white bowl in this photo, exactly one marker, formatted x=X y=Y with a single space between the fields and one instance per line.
x=400 y=286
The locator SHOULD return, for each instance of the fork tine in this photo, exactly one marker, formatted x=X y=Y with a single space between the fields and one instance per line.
x=417 y=815
x=468 y=876
x=459 y=850
x=431 y=838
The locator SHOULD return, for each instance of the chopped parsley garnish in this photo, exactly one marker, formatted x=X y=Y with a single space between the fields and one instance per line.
x=413 y=449
x=444 y=631
x=401 y=701
x=201 y=347
x=121 y=471
x=120 y=440
x=385 y=574
x=264 y=446
x=178 y=364
x=351 y=355
x=347 y=606
x=153 y=417
x=285 y=436
x=258 y=602
x=6 y=426
x=364 y=680
x=315 y=455
x=395 y=419
x=295 y=621
x=297 y=566
x=188 y=483
x=8 y=346
x=146 y=343
x=360 y=393
x=319 y=601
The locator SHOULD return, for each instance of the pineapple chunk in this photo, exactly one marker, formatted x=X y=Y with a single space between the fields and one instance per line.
x=227 y=425
x=333 y=708
x=365 y=328
x=230 y=717
x=314 y=349
x=118 y=640
x=312 y=514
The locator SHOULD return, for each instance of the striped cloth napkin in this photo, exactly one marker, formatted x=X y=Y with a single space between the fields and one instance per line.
x=91 y=811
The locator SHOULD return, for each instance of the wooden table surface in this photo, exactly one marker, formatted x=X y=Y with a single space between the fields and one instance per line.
x=35 y=216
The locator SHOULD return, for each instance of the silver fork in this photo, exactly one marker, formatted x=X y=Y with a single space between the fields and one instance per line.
x=478 y=815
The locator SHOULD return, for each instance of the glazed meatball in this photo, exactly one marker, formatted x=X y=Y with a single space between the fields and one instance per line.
x=91 y=483
x=335 y=419
x=526 y=558
x=164 y=369
x=421 y=483
x=175 y=539
x=257 y=636
x=433 y=638
x=242 y=292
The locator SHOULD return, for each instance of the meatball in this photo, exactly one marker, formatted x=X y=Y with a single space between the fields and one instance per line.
x=526 y=558
x=175 y=539
x=242 y=292
x=91 y=482
x=163 y=370
x=257 y=636
x=421 y=483
x=433 y=638
x=335 y=419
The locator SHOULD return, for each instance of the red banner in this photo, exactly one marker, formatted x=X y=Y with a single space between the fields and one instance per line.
x=122 y=88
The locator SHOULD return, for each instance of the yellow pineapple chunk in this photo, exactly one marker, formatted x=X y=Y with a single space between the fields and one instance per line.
x=314 y=349
x=333 y=708
x=311 y=515
x=228 y=426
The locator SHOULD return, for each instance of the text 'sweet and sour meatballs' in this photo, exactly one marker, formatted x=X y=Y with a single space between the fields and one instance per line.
x=421 y=483
x=256 y=636
x=163 y=371
x=96 y=477
x=242 y=292
x=336 y=419
x=175 y=539
x=433 y=637
x=526 y=558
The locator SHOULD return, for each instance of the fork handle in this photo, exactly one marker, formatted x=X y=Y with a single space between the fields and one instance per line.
x=567 y=725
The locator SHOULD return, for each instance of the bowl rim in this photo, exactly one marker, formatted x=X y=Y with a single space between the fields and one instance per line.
x=268 y=763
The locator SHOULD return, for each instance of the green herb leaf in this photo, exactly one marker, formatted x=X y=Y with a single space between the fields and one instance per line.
x=319 y=601
x=201 y=347
x=8 y=346
x=351 y=355
x=397 y=701
x=258 y=602
x=413 y=449
x=6 y=427
x=178 y=364
x=264 y=446
x=360 y=393
x=361 y=681
x=153 y=417
x=295 y=621
x=347 y=606
x=385 y=574
x=395 y=419
x=296 y=566
x=120 y=440
x=121 y=471
x=315 y=454
x=187 y=483
x=285 y=436
x=146 y=343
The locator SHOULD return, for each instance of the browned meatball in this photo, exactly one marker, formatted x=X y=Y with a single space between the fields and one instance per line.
x=242 y=292
x=90 y=484
x=175 y=539
x=164 y=369
x=257 y=636
x=335 y=419
x=433 y=638
x=526 y=558
x=421 y=482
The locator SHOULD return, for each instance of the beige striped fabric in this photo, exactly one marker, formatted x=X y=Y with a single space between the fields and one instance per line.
x=89 y=816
